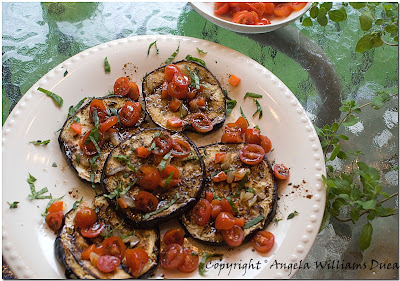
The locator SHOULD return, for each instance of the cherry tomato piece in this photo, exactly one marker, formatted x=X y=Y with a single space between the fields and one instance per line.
x=233 y=128
x=177 y=92
x=100 y=108
x=164 y=90
x=233 y=236
x=242 y=124
x=180 y=148
x=251 y=154
x=231 y=138
x=87 y=146
x=190 y=261
x=224 y=221
x=252 y=136
x=145 y=202
x=108 y=123
x=130 y=113
x=85 y=255
x=57 y=206
x=181 y=80
x=297 y=6
x=148 y=177
x=136 y=259
x=174 y=105
x=134 y=92
x=283 y=9
x=76 y=127
x=114 y=246
x=215 y=210
x=163 y=144
x=226 y=207
x=121 y=86
x=54 y=220
x=201 y=212
x=122 y=203
x=168 y=170
x=221 y=176
x=269 y=9
x=174 y=236
x=92 y=231
x=219 y=157
x=233 y=79
x=175 y=122
x=240 y=221
x=263 y=241
x=108 y=263
x=263 y=21
x=85 y=217
x=201 y=123
x=170 y=71
x=209 y=196
x=221 y=8
x=281 y=172
x=245 y=17
x=258 y=8
x=142 y=152
x=266 y=143
x=172 y=256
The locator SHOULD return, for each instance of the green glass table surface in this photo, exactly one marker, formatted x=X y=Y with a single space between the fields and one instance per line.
x=318 y=64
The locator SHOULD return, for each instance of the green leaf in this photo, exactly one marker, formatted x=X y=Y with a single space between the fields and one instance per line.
x=379 y=22
x=54 y=96
x=54 y=164
x=384 y=212
x=379 y=100
x=345 y=196
x=350 y=120
x=358 y=5
x=168 y=180
x=107 y=67
x=191 y=58
x=344 y=12
x=366 y=205
x=366 y=20
x=336 y=205
x=384 y=194
x=201 y=51
x=252 y=95
x=203 y=261
x=335 y=152
x=314 y=11
x=326 y=5
x=307 y=22
x=322 y=19
x=242 y=183
x=343 y=137
x=365 y=238
x=336 y=15
x=292 y=215
x=172 y=57
x=365 y=43
x=325 y=220
x=155 y=45
x=230 y=104
x=354 y=215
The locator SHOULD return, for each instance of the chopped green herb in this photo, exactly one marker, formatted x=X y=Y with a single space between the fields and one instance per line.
x=93 y=164
x=204 y=259
x=276 y=220
x=213 y=174
x=176 y=197
x=152 y=146
x=55 y=97
x=73 y=109
x=258 y=128
x=292 y=215
x=65 y=73
x=168 y=180
x=215 y=194
x=107 y=234
x=230 y=104
x=125 y=175
x=252 y=95
x=107 y=67
x=244 y=116
x=259 y=109
x=39 y=142
x=194 y=77
x=77 y=159
x=13 y=205
x=225 y=92
x=253 y=222
x=52 y=200
x=77 y=203
x=164 y=160
x=194 y=254
x=201 y=51
x=191 y=58
x=114 y=111
x=242 y=183
x=171 y=57
x=125 y=159
x=151 y=45
x=116 y=193
x=128 y=235
x=76 y=119
x=54 y=164
x=235 y=210
x=37 y=194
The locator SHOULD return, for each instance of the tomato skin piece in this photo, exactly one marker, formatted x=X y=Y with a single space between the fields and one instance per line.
x=224 y=221
x=215 y=210
x=57 y=206
x=172 y=256
x=231 y=138
x=121 y=203
x=85 y=217
x=252 y=136
x=100 y=108
x=180 y=148
x=281 y=172
x=134 y=92
x=114 y=246
x=130 y=113
x=221 y=8
x=201 y=212
x=234 y=236
x=76 y=127
x=242 y=123
x=175 y=122
x=234 y=80
x=148 y=177
x=266 y=143
x=55 y=220
x=174 y=105
x=108 y=123
x=209 y=196
x=219 y=157
x=121 y=86
x=233 y=128
x=297 y=6
x=142 y=152
x=226 y=207
x=108 y=263
x=283 y=10
x=221 y=176
x=145 y=201
x=163 y=144
x=201 y=123
x=190 y=261
x=85 y=255
x=251 y=154
x=174 y=236
x=240 y=221
x=170 y=71
x=136 y=260
x=92 y=231
x=263 y=241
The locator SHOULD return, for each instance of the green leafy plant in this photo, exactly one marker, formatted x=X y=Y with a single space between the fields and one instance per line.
x=357 y=190
x=379 y=21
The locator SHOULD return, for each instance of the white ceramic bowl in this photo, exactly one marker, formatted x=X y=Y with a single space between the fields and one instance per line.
x=206 y=9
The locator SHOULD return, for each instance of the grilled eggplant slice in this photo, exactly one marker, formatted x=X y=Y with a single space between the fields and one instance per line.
x=255 y=197
x=123 y=165
x=70 y=244
x=158 y=107
x=69 y=140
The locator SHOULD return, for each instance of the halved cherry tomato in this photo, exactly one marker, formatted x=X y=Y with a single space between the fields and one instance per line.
x=263 y=241
x=85 y=217
x=209 y=196
x=57 y=206
x=99 y=250
x=100 y=108
x=219 y=157
x=221 y=8
x=269 y=8
x=266 y=143
x=114 y=246
x=76 y=127
x=180 y=148
x=245 y=17
x=233 y=236
x=170 y=71
x=172 y=256
x=221 y=176
x=226 y=207
x=177 y=92
x=175 y=122
x=134 y=92
x=281 y=172
x=108 y=263
x=233 y=128
x=174 y=236
x=145 y=202
x=263 y=21
x=136 y=259
x=190 y=261
x=122 y=203
x=224 y=221
x=85 y=255
x=242 y=123
x=130 y=113
x=239 y=221
x=297 y=6
x=168 y=170
x=89 y=148
x=258 y=7
x=163 y=144
x=252 y=136
x=233 y=79
x=164 y=90
x=142 y=152
x=121 y=86
x=239 y=6
x=148 y=177
x=215 y=210
x=111 y=121
x=251 y=154
x=174 y=105
x=54 y=220
x=181 y=80
x=231 y=138
x=201 y=123
x=92 y=231
x=283 y=9
x=201 y=212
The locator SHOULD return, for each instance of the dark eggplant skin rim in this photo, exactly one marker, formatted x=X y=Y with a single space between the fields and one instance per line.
x=176 y=213
x=187 y=127
x=70 y=273
x=267 y=221
x=62 y=144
